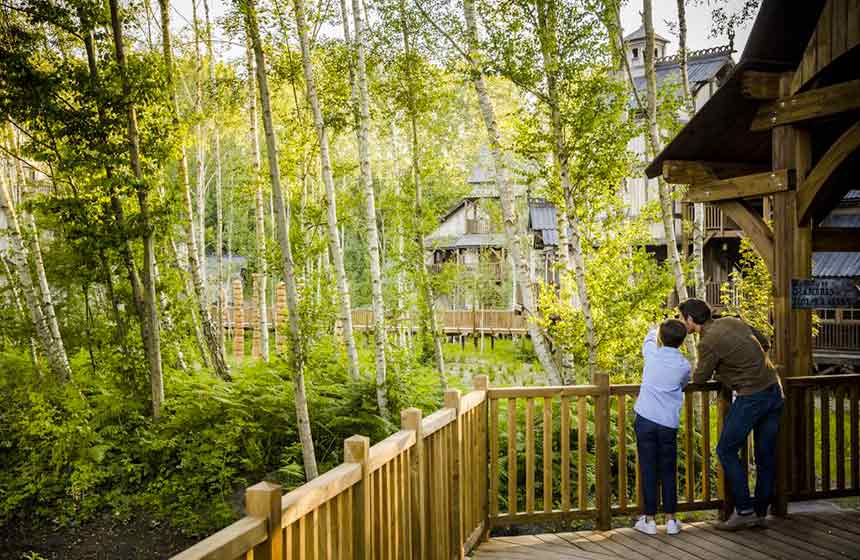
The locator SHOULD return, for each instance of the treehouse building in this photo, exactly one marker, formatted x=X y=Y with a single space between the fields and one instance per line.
x=777 y=149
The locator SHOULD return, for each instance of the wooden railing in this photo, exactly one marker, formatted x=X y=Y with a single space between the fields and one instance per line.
x=527 y=455
x=487 y=321
x=838 y=335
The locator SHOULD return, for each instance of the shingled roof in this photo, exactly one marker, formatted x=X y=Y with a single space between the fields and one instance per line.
x=702 y=67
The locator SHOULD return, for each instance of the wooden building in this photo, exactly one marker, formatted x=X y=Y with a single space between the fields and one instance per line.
x=776 y=149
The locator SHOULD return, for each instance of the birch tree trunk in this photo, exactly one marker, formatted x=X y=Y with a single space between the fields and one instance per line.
x=200 y=152
x=260 y=213
x=41 y=311
x=150 y=328
x=297 y=359
x=506 y=194
x=547 y=29
x=216 y=350
x=653 y=134
x=19 y=306
x=421 y=268
x=360 y=97
x=698 y=208
x=328 y=181
x=219 y=193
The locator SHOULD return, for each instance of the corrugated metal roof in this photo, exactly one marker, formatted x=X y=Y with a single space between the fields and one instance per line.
x=842 y=220
x=836 y=264
x=549 y=236
x=640 y=34
x=542 y=216
x=699 y=70
x=467 y=240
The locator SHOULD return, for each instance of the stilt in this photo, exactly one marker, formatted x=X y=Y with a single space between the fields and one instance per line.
x=238 y=320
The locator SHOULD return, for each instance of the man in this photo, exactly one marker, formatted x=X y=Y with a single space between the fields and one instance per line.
x=736 y=355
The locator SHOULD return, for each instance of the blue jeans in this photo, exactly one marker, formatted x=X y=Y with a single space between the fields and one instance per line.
x=658 y=449
x=760 y=412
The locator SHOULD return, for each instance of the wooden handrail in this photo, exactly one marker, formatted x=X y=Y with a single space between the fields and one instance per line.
x=433 y=489
x=228 y=543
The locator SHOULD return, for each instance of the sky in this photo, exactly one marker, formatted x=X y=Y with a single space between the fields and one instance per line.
x=698 y=24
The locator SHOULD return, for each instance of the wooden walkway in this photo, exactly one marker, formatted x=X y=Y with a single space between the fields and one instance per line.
x=821 y=535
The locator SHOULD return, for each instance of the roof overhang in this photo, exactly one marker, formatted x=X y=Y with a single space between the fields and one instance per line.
x=720 y=131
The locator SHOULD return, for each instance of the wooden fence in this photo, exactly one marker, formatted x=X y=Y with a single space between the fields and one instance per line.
x=515 y=456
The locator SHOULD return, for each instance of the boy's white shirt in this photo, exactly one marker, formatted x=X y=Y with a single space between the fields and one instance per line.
x=664 y=376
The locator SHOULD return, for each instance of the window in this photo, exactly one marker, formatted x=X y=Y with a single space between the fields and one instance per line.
x=826 y=314
x=656 y=53
x=852 y=314
x=635 y=53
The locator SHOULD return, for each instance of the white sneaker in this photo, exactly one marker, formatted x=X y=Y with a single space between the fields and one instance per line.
x=645 y=526
x=673 y=527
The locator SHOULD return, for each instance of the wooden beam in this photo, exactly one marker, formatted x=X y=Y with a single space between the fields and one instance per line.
x=753 y=226
x=758 y=184
x=680 y=172
x=760 y=85
x=811 y=188
x=813 y=104
x=834 y=240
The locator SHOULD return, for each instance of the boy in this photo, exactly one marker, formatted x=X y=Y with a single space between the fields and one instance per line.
x=658 y=410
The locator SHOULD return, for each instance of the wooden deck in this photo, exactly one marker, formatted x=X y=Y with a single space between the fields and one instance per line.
x=826 y=535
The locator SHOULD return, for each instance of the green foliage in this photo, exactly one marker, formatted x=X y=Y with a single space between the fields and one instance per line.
x=68 y=452
x=753 y=297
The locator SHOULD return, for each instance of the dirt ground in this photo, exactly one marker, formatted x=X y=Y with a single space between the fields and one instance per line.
x=102 y=538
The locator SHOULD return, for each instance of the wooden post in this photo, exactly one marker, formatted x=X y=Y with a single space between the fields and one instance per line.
x=410 y=419
x=238 y=320
x=452 y=400
x=482 y=383
x=601 y=441
x=264 y=500
x=255 y=317
x=356 y=449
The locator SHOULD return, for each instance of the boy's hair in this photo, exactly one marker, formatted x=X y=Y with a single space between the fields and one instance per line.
x=695 y=309
x=672 y=333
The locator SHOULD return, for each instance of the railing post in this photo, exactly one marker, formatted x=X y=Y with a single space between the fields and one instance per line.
x=452 y=400
x=482 y=383
x=264 y=500
x=410 y=419
x=356 y=449
x=601 y=438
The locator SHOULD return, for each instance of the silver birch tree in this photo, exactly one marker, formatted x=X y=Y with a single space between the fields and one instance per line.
x=360 y=95
x=506 y=192
x=328 y=181
x=297 y=356
x=150 y=329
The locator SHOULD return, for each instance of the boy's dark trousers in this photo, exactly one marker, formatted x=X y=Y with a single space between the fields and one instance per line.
x=658 y=450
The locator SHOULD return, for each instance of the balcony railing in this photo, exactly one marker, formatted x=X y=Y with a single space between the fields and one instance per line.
x=838 y=336
x=521 y=456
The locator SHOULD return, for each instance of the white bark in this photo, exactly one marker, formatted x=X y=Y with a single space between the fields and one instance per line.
x=219 y=190
x=150 y=327
x=423 y=277
x=296 y=350
x=361 y=98
x=260 y=215
x=506 y=194
x=40 y=307
x=653 y=134
x=200 y=153
x=216 y=350
x=328 y=181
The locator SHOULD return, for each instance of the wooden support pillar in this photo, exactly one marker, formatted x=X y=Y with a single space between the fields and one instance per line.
x=256 y=335
x=356 y=449
x=601 y=437
x=238 y=320
x=792 y=341
x=452 y=400
x=410 y=419
x=264 y=500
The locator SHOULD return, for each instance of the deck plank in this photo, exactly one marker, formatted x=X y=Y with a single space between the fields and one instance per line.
x=818 y=536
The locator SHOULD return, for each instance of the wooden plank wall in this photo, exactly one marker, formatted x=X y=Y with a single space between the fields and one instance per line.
x=837 y=32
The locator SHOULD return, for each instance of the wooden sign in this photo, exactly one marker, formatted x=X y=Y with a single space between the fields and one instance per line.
x=823 y=293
